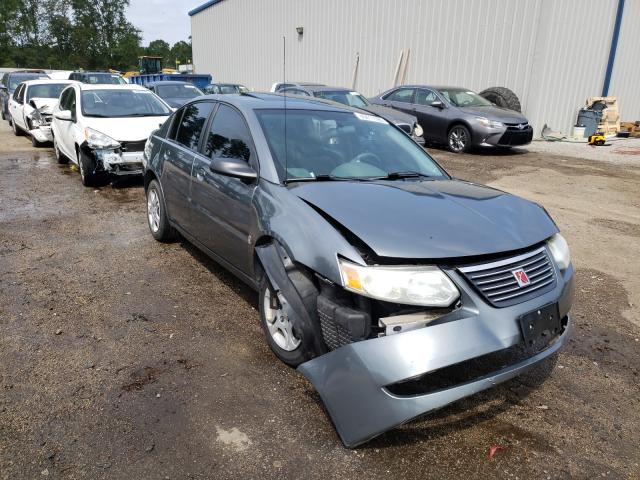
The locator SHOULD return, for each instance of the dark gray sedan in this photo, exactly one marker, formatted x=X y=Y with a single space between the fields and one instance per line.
x=458 y=117
x=174 y=92
x=351 y=98
x=394 y=288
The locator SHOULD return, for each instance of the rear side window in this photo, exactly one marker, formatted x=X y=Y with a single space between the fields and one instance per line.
x=229 y=136
x=404 y=95
x=192 y=123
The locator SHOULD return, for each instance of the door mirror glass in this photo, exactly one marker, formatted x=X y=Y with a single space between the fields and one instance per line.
x=64 y=115
x=437 y=104
x=233 y=167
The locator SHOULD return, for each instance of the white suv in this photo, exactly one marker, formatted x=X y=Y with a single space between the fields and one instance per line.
x=104 y=128
x=31 y=106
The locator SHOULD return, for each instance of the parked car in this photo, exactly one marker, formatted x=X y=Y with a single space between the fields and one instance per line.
x=408 y=123
x=31 y=108
x=375 y=268
x=458 y=117
x=175 y=93
x=94 y=78
x=103 y=128
x=225 y=88
x=9 y=83
x=276 y=87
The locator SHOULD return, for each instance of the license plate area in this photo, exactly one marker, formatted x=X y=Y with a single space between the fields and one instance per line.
x=540 y=326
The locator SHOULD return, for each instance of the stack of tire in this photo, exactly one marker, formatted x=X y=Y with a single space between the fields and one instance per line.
x=502 y=97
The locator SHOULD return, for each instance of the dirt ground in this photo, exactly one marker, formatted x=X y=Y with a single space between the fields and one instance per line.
x=124 y=358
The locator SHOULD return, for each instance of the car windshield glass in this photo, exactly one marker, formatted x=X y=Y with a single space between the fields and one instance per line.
x=14 y=80
x=341 y=145
x=178 y=91
x=353 y=99
x=122 y=103
x=47 y=90
x=103 y=78
x=464 y=98
x=228 y=89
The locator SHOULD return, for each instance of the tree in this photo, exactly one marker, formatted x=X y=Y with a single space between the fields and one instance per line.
x=181 y=51
x=158 y=48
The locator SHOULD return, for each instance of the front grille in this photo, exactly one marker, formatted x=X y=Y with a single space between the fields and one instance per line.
x=133 y=146
x=497 y=282
x=515 y=136
x=46 y=119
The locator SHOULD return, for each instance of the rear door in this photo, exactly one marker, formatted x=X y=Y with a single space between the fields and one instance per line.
x=177 y=155
x=433 y=120
x=222 y=204
x=401 y=99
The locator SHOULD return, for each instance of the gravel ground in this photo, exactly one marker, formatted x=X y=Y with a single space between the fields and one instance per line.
x=621 y=151
x=124 y=358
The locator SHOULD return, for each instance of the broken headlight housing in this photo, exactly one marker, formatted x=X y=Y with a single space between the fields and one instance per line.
x=99 y=140
x=408 y=285
x=560 y=251
x=36 y=118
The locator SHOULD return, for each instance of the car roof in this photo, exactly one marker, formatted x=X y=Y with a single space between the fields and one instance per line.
x=431 y=87
x=226 y=85
x=94 y=72
x=108 y=86
x=263 y=101
x=46 y=81
x=170 y=82
x=28 y=73
x=325 y=88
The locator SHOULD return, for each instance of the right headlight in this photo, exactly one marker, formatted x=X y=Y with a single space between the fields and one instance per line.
x=99 y=140
x=411 y=285
x=560 y=251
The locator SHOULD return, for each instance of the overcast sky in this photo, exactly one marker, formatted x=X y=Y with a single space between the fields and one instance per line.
x=162 y=19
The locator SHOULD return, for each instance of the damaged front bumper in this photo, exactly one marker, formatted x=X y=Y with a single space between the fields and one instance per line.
x=356 y=381
x=42 y=134
x=119 y=163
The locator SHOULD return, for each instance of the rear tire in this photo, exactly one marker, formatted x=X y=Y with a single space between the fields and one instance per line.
x=60 y=157
x=157 y=218
x=503 y=97
x=459 y=139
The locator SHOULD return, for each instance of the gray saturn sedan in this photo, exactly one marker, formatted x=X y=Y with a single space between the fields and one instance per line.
x=393 y=287
x=458 y=117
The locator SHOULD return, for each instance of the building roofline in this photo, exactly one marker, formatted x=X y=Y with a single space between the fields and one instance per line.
x=202 y=7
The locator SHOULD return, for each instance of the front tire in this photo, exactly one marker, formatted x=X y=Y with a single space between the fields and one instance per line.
x=35 y=142
x=282 y=338
x=459 y=139
x=16 y=130
x=157 y=217
x=88 y=174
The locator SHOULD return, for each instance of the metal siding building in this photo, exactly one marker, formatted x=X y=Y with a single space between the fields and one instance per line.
x=552 y=53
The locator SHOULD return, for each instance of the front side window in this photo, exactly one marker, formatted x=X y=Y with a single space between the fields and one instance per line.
x=112 y=103
x=352 y=99
x=17 y=94
x=192 y=123
x=425 y=97
x=464 y=98
x=229 y=136
x=47 y=90
x=404 y=95
x=342 y=145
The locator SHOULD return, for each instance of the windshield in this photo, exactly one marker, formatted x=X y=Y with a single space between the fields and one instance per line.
x=47 y=90
x=464 y=98
x=15 y=80
x=178 y=91
x=103 y=78
x=122 y=103
x=345 y=145
x=353 y=99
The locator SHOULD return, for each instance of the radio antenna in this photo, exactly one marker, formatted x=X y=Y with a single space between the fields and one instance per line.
x=284 y=80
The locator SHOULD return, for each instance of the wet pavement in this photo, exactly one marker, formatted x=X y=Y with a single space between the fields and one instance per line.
x=121 y=357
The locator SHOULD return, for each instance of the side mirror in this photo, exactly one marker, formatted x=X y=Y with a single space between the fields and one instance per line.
x=437 y=104
x=64 y=115
x=3 y=89
x=33 y=104
x=233 y=167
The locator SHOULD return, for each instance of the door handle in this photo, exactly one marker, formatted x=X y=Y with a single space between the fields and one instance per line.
x=166 y=154
x=200 y=174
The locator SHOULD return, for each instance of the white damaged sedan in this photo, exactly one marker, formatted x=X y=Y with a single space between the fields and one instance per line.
x=31 y=107
x=104 y=128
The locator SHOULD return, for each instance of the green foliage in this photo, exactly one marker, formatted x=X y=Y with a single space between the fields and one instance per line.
x=72 y=34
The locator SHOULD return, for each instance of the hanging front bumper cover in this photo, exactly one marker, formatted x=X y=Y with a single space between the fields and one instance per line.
x=353 y=380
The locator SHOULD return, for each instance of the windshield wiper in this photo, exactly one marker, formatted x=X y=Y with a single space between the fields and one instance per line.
x=321 y=178
x=403 y=175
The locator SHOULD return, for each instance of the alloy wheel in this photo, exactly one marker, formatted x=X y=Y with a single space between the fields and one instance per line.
x=458 y=139
x=153 y=210
x=278 y=323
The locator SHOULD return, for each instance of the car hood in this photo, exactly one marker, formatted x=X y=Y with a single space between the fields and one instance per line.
x=125 y=129
x=429 y=219
x=45 y=105
x=496 y=113
x=394 y=116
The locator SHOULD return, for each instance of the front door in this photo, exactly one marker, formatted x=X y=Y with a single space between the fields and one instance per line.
x=401 y=99
x=222 y=204
x=433 y=120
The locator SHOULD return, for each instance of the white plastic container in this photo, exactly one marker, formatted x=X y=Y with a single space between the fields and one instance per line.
x=578 y=132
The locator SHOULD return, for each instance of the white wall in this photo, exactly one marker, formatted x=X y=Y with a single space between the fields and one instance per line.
x=552 y=53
